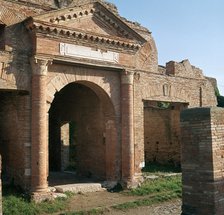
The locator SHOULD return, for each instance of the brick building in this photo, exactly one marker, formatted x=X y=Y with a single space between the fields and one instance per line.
x=80 y=87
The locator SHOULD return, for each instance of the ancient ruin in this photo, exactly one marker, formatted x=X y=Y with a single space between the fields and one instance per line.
x=81 y=89
x=202 y=161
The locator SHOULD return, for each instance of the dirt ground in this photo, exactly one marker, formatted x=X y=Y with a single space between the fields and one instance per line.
x=172 y=208
x=105 y=199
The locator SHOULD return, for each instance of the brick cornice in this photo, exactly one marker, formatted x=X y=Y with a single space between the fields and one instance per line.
x=78 y=35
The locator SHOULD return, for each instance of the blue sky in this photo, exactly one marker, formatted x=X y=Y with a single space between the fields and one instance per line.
x=183 y=29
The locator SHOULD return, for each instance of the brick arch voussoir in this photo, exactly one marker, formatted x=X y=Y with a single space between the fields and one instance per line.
x=155 y=93
x=60 y=81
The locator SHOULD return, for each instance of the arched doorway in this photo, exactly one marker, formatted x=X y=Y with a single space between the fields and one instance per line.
x=82 y=131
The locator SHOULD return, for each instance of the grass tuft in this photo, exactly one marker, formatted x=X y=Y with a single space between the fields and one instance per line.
x=17 y=203
x=158 y=185
x=94 y=211
x=147 y=201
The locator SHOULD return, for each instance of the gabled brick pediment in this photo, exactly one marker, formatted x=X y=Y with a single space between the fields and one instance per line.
x=90 y=21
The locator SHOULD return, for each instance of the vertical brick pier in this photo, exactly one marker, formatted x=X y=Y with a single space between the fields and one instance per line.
x=202 y=132
x=39 y=151
x=127 y=128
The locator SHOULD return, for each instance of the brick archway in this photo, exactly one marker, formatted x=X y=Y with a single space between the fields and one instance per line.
x=97 y=77
x=83 y=123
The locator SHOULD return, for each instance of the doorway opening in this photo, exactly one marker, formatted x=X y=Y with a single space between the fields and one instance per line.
x=162 y=132
x=78 y=140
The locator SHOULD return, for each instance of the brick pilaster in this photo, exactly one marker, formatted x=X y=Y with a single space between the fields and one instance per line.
x=39 y=133
x=127 y=127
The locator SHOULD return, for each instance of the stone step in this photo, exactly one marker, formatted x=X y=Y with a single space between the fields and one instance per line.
x=80 y=188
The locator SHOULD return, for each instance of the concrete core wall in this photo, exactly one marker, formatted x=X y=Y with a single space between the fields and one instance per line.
x=202 y=161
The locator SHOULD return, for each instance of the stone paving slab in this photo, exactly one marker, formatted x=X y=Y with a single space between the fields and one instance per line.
x=80 y=188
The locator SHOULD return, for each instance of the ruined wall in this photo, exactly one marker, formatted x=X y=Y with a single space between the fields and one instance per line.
x=169 y=88
x=202 y=132
x=14 y=58
x=162 y=134
x=12 y=12
x=15 y=137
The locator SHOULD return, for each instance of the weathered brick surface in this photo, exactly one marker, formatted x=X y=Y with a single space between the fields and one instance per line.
x=16 y=130
x=202 y=132
x=162 y=133
x=127 y=130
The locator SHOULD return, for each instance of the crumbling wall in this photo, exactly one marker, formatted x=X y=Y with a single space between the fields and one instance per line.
x=195 y=92
x=183 y=69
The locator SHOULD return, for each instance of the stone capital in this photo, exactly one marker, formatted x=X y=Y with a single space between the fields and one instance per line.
x=40 y=65
x=127 y=77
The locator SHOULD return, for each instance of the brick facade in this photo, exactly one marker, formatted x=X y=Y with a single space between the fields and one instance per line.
x=48 y=48
x=202 y=161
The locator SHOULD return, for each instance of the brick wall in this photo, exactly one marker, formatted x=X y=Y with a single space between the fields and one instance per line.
x=14 y=65
x=162 y=134
x=15 y=137
x=202 y=161
x=160 y=87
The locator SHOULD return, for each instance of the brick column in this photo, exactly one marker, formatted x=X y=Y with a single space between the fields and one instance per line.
x=39 y=131
x=127 y=127
x=202 y=131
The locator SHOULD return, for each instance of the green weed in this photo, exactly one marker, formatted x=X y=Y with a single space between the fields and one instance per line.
x=147 y=201
x=164 y=184
x=16 y=203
